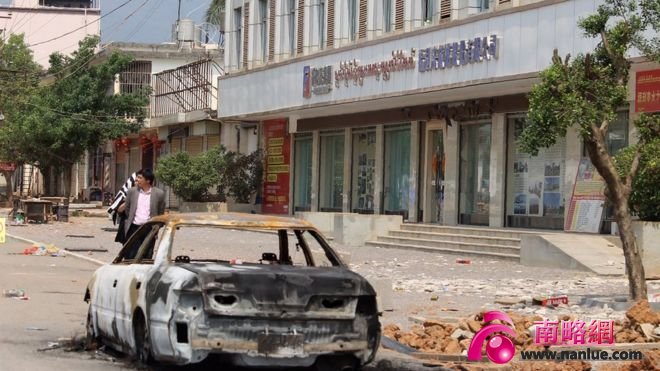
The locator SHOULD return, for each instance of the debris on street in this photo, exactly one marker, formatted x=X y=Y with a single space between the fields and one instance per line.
x=451 y=338
x=43 y=250
x=552 y=301
x=79 y=236
x=463 y=261
x=13 y=293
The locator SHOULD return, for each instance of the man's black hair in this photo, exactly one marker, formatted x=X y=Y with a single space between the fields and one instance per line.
x=147 y=174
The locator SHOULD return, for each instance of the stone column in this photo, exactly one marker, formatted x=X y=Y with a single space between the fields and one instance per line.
x=348 y=153
x=413 y=193
x=316 y=143
x=497 y=170
x=378 y=176
x=450 y=211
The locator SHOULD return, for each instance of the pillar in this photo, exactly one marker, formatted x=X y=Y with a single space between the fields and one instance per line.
x=497 y=170
x=450 y=211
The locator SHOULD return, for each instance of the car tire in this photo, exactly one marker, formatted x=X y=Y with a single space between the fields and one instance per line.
x=92 y=340
x=142 y=339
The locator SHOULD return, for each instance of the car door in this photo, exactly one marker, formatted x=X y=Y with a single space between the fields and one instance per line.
x=130 y=281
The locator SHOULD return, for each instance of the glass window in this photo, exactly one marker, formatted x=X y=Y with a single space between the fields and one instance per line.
x=617 y=133
x=535 y=189
x=352 y=20
x=364 y=169
x=387 y=15
x=428 y=9
x=302 y=183
x=332 y=171
x=238 y=22
x=321 y=11
x=475 y=174
x=291 y=7
x=263 y=24
x=396 y=190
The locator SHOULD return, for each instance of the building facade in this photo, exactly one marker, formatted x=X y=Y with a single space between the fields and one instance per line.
x=51 y=25
x=410 y=107
x=162 y=69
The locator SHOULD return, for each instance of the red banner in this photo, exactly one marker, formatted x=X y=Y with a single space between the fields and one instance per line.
x=7 y=166
x=647 y=91
x=276 y=186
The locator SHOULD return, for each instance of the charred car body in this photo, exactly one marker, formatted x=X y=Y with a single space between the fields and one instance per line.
x=291 y=306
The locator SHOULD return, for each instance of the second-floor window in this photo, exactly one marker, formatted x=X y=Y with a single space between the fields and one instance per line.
x=321 y=10
x=291 y=16
x=428 y=9
x=238 y=24
x=387 y=15
x=352 y=20
x=263 y=29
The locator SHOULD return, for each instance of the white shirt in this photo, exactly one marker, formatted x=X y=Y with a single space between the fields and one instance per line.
x=143 y=210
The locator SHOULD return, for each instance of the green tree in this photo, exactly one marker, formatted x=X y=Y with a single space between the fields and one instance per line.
x=585 y=92
x=215 y=14
x=75 y=111
x=18 y=81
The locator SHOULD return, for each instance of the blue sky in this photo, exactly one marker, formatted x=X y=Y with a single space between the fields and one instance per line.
x=151 y=23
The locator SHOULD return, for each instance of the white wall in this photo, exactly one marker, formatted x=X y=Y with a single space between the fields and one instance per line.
x=527 y=39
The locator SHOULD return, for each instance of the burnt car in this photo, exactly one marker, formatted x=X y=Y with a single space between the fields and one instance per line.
x=248 y=289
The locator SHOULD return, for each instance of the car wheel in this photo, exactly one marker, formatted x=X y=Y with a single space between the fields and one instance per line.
x=142 y=339
x=92 y=340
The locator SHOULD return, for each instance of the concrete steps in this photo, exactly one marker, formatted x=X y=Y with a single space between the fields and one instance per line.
x=483 y=242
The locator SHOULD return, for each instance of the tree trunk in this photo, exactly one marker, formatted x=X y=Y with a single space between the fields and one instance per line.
x=66 y=173
x=47 y=175
x=618 y=193
x=10 y=187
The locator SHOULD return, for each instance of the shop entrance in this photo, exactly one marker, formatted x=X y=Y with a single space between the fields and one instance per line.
x=474 y=197
x=396 y=190
x=434 y=187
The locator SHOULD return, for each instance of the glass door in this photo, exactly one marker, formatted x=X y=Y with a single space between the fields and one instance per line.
x=363 y=170
x=396 y=190
x=435 y=176
x=331 y=185
x=302 y=181
x=474 y=195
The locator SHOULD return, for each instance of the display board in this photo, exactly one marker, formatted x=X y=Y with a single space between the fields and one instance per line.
x=276 y=185
x=586 y=207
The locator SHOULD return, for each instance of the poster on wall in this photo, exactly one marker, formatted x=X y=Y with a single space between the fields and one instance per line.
x=535 y=183
x=586 y=207
x=276 y=185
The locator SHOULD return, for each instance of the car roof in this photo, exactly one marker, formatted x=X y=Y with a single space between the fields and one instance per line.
x=235 y=220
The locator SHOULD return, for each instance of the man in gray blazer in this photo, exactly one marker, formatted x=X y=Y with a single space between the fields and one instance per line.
x=142 y=202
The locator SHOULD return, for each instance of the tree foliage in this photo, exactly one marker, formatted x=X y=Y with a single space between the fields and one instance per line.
x=645 y=196
x=233 y=174
x=19 y=78
x=586 y=91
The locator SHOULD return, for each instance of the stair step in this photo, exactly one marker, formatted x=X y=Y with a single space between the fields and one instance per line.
x=499 y=249
x=444 y=250
x=469 y=231
x=457 y=237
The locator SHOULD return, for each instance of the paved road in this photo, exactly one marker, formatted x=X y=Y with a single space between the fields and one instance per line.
x=55 y=311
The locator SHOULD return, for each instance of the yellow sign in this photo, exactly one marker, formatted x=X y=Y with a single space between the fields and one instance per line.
x=275 y=160
x=277 y=169
x=275 y=150
x=271 y=178
x=2 y=230
x=275 y=142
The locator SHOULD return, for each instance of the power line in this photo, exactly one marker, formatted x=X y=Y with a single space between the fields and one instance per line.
x=81 y=27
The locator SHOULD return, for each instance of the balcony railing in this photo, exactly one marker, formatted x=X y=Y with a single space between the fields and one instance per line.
x=184 y=89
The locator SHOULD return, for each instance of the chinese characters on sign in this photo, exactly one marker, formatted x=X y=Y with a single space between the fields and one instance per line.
x=586 y=207
x=352 y=70
x=458 y=53
x=316 y=80
x=276 y=186
x=574 y=332
x=7 y=166
x=647 y=92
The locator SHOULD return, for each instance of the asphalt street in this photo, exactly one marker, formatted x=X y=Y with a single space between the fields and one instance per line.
x=36 y=334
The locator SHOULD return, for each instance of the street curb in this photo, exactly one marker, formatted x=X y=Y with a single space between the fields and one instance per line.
x=67 y=253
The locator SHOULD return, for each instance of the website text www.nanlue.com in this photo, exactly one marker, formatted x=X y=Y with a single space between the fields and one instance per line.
x=583 y=355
